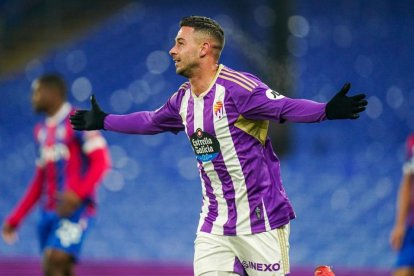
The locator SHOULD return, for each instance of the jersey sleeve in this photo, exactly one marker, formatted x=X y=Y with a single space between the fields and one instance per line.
x=94 y=147
x=166 y=118
x=29 y=199
x=32 y=193
x=408 y=167
x=263 y=103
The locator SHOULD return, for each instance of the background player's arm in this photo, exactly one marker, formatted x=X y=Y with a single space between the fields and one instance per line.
x=95 y=148
x=31 y=196
x=403 y=207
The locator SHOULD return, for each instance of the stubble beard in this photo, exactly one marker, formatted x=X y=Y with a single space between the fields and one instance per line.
x=187 y=71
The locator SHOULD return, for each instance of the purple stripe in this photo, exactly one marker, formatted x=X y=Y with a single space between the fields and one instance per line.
x=15 y=266
x=212 y=207
x=229 y=228
x=238 y=267
x=254 y=179
x=278 y=207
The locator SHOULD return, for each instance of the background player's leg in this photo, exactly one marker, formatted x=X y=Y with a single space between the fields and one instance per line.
x=64 y=244
x=403 y=272
x=405 y=260
x=57 y=262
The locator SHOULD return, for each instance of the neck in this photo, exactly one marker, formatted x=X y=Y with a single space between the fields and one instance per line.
x=201 y=80
x=53 y=110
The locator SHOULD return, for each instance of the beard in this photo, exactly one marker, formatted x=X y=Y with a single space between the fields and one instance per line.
x=187 y=70
x=38 y=108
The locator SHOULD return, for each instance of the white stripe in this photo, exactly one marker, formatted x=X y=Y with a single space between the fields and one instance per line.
x=183 y=108
x=212 y=175
x=204 y=208
x=183 y=114
x=266 y=219
x=221 y=126
x=93 y=142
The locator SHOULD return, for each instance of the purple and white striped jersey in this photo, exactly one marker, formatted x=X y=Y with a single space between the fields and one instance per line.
x=227 y=127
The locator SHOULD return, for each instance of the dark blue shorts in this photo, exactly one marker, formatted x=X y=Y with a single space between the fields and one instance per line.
x=405 y=256
x=65 y=234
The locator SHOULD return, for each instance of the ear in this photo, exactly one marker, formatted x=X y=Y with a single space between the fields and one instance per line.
x=204 y=49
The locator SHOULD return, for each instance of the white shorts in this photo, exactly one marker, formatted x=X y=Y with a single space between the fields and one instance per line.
x=265 y=253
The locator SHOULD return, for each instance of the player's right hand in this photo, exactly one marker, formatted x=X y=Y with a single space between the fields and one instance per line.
x=88 y=119
x=68 y=203
x=342 y=106
x=9 y=233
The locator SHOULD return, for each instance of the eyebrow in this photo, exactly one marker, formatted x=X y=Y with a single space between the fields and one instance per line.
x=179 y=39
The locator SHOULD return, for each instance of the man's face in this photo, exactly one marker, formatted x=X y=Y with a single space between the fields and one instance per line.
x=40 y=97
x=185 y=52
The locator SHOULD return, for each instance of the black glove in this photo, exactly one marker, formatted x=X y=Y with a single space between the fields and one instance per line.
x=343 y=107
x=88 y=119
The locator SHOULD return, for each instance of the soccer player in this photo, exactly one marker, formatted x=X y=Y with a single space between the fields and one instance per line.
x=244 y=222
x=402 y=235
x=69 y=166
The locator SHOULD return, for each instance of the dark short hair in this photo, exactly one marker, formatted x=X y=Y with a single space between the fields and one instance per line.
x=206 y=25
x=54 y=80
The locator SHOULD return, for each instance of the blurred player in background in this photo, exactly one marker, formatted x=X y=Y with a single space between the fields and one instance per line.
x=402 y=235
x=69 y=167
x=244 y=222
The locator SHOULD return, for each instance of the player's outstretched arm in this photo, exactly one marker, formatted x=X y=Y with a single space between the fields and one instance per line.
x=89 y=119
x=343 y=107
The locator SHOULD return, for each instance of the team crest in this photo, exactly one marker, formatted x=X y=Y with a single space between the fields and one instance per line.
x=218 y=109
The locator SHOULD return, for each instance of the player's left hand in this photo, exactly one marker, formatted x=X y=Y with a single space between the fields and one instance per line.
x=397 y=237
x=68 y=202
x=343 y=107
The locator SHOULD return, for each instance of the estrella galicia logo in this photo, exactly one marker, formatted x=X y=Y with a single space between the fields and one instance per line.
x=206 y=147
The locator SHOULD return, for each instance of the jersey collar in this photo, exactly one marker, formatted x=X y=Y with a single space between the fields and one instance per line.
x=60 y=115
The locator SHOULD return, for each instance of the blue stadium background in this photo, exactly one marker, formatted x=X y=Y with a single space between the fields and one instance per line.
x=342 y=176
